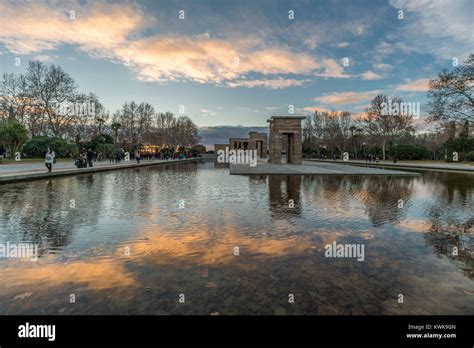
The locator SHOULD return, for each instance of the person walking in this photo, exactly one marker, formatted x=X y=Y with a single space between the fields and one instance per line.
x=48 y=160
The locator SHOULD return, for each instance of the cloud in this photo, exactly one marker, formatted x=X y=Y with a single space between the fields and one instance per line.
x=421 y=85
x=114 y=32
x=313 y=109
x=344 y=98
x=223 y=61
x=341 y=44
x=332 y=69
x=370 y=75
x=207 y=112
x=44 y=58
x=442 y=27
x=32 y=27
x=271 y=84
x=383 y=67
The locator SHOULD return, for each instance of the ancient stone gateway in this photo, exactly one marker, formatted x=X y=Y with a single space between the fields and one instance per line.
x=258 y=141
x=285 y=139
x=239 y=143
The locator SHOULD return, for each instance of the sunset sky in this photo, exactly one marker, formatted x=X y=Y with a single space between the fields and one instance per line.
x=239 y=62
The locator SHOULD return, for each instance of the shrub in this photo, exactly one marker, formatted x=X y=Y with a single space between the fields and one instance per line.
x=409 y=152
x=38 y=146
x=198 y=148
x=96 y=141
x=460 y=145
x=470 y=156
x=107 y=150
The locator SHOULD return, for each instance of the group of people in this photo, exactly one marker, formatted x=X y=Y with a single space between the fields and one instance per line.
x=88 y=156
x=369 y=158
x=85 y=159
x=166 y=155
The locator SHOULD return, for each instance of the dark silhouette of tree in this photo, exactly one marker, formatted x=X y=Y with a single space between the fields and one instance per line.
x=452 y=94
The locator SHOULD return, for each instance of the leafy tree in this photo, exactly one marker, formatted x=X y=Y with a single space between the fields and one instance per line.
x=13 y=135
x=37 y=147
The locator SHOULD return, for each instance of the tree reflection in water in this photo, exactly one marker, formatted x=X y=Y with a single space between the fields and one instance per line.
x=189 y=250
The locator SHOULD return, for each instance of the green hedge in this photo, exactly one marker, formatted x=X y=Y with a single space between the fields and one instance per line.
x=409 y=152
x=460 y=145
x=38 y=146
x=470 y=156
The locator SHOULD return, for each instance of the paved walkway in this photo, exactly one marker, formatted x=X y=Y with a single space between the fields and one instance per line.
x=310 y=168
x=15 y=172
x=435 y=166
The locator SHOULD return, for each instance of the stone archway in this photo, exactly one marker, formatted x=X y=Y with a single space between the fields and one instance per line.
x=285 y=138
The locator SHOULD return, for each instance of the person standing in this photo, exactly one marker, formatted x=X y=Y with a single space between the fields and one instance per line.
x=90 y=157
x=118 y=155
x=137 y=156
x=48 y=160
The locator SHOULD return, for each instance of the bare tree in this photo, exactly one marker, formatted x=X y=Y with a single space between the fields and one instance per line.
x=145 y=119
x=15 y=102
x=384 y=127
x=452 y=94
x=129 y=120
x=51 y=88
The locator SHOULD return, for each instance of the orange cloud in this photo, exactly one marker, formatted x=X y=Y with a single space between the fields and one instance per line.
x=313 y=109
x=112 y=31
x=421 y=85
x=343 y=98
x=30 y=27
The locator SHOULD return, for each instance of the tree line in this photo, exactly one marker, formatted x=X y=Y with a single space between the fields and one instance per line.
x=45 y=102
x=393 y=134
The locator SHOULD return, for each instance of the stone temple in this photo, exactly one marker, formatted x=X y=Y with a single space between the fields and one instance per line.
x=283 y=145
x=284 y=141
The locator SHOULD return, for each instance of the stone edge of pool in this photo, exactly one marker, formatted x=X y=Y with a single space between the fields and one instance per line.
x=312 y=169
x=79 y=171
x=461 y=169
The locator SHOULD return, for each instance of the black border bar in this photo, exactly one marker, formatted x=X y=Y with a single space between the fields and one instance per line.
x=137 y=330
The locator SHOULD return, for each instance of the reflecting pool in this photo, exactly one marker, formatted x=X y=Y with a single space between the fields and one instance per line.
x=132 y=241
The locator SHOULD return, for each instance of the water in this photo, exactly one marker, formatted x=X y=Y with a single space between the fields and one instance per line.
x=121 y=242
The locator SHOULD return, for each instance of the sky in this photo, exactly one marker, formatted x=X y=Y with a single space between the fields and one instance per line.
x=236 y=63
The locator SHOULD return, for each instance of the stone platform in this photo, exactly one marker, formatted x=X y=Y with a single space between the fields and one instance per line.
x=311 y=168
x=34 y=171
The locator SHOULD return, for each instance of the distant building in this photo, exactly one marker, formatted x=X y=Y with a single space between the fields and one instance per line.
x=255 y=141
x=218 y=147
